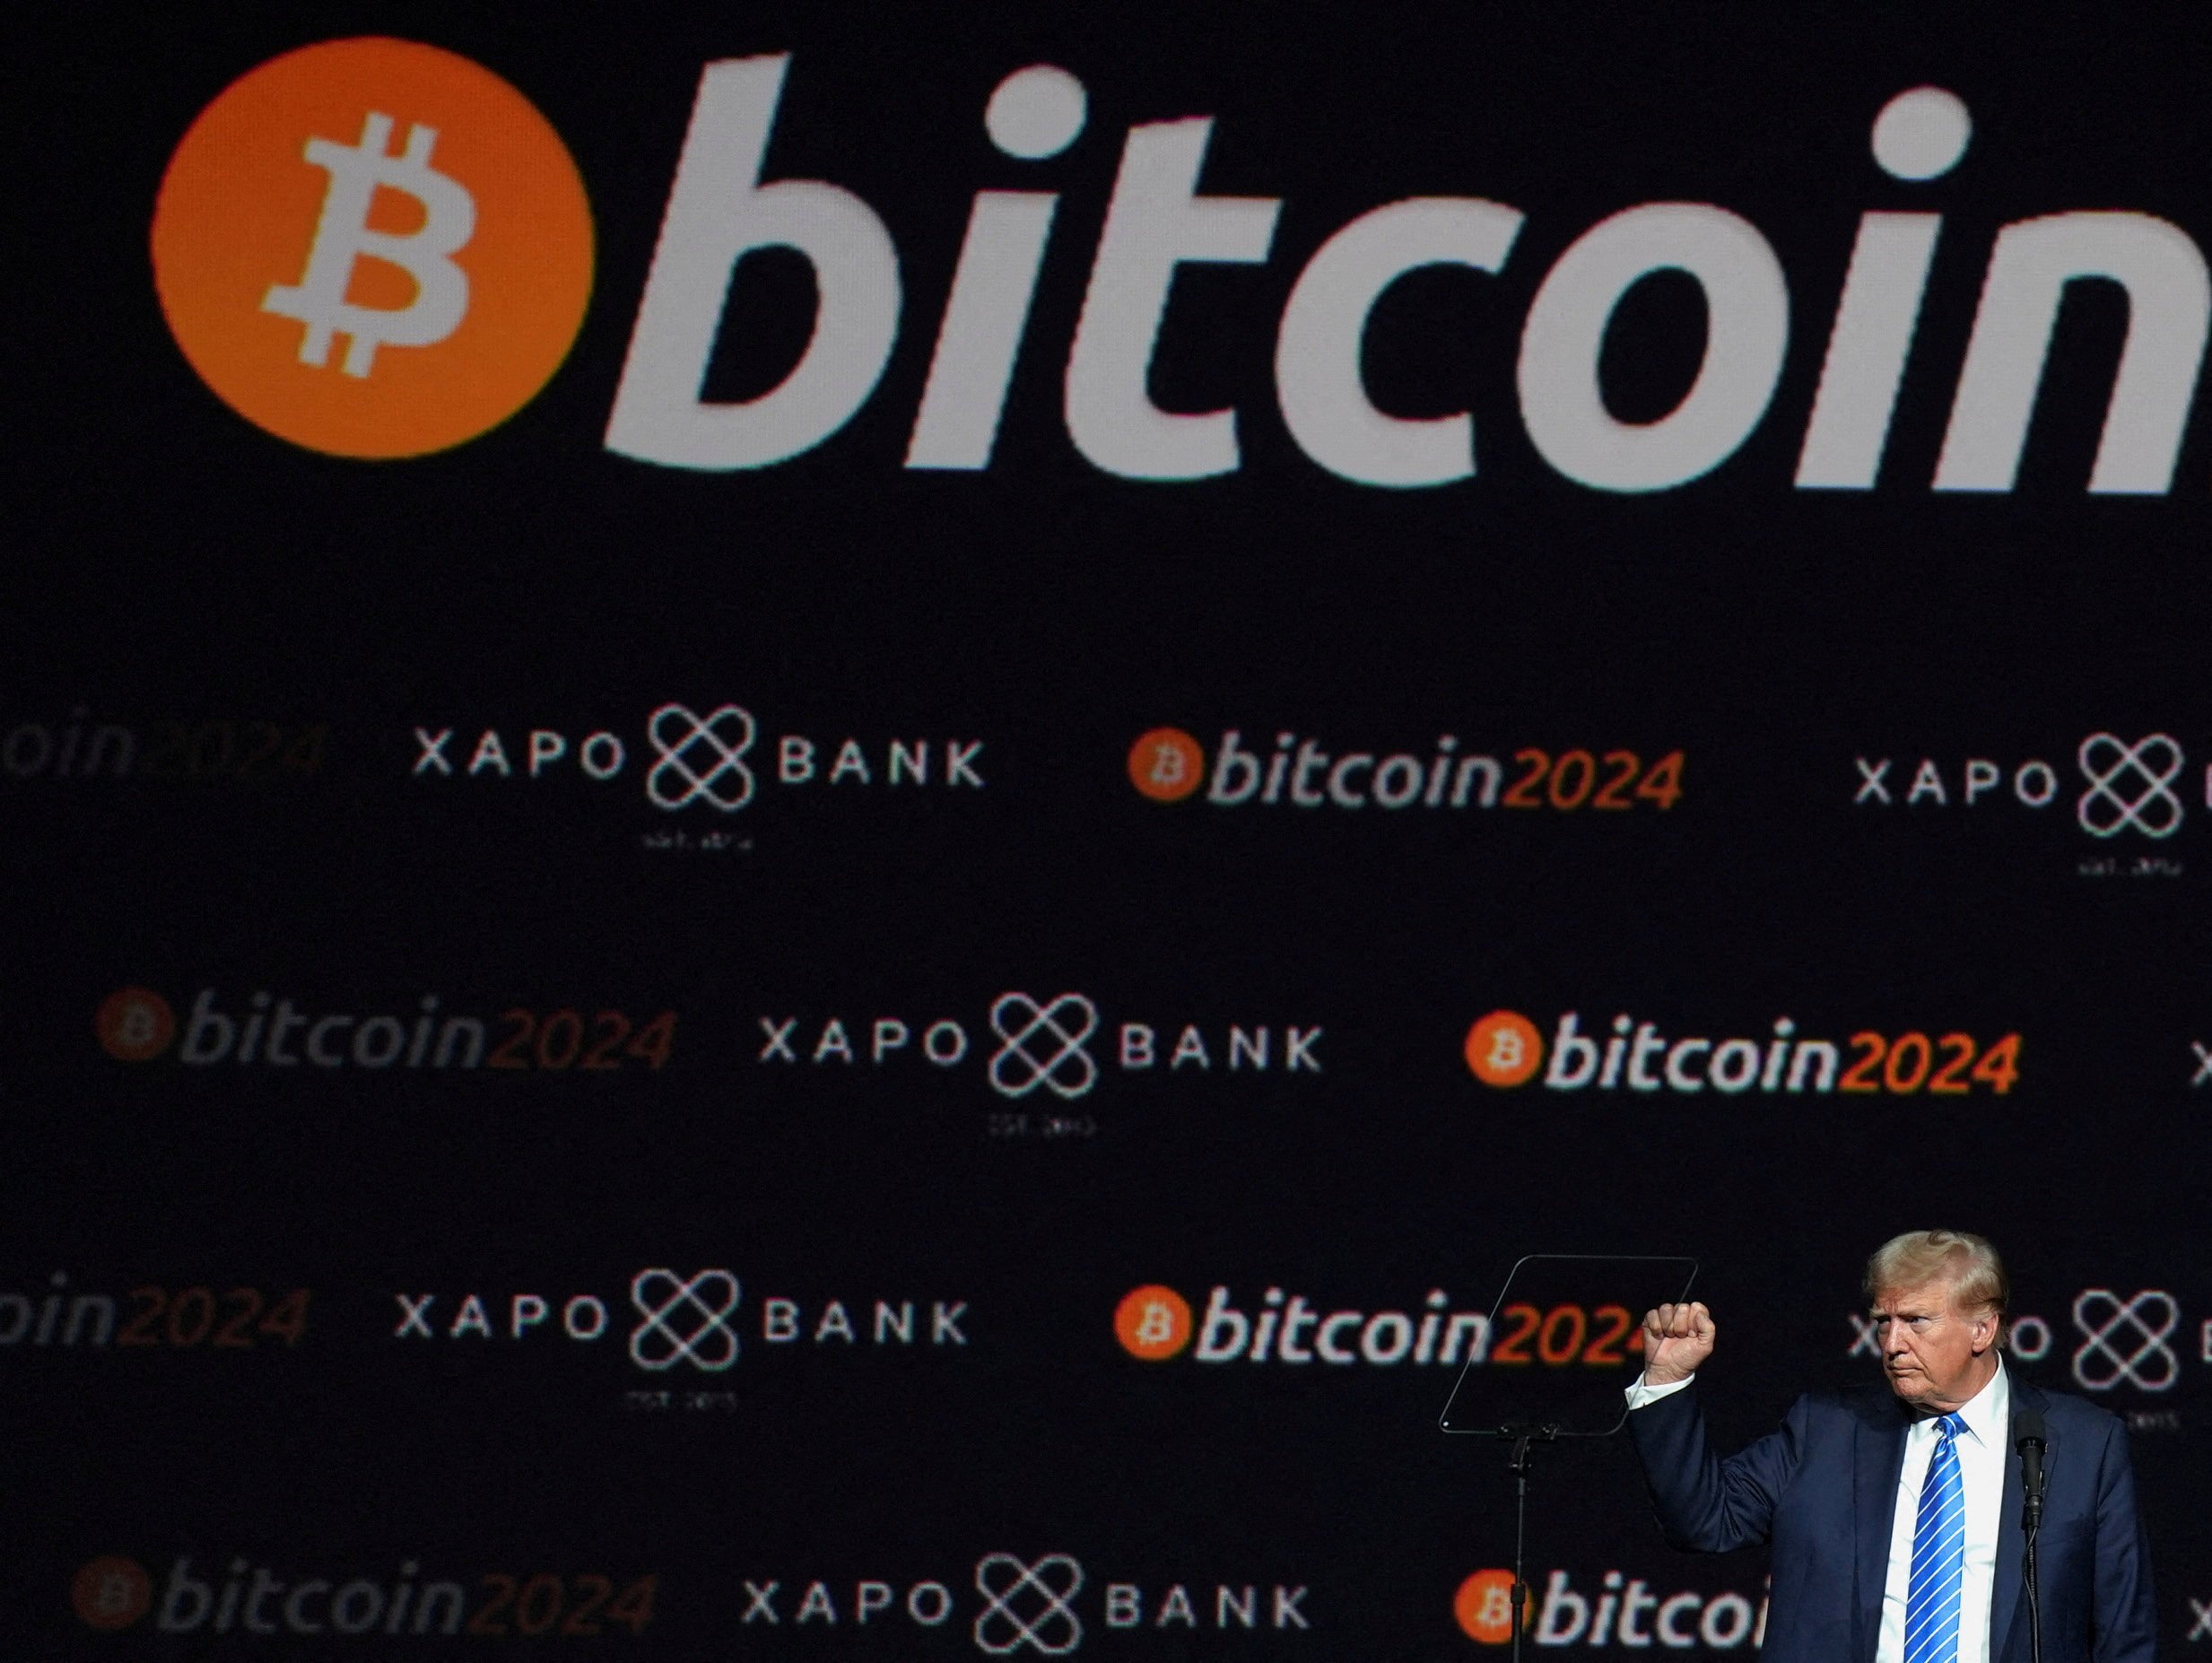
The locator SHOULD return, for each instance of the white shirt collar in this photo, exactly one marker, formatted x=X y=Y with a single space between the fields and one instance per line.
x=1988 y=1413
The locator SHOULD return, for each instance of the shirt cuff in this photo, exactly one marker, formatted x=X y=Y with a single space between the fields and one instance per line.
x=1641 y=1394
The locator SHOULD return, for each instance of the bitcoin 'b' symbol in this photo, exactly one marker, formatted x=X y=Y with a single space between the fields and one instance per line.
x=343 y=235
x=1166 y=765
x=136 y=1025
x=1484 y=1607
x=111 y=1593
x=1503 y=1048
x=1152 y=1323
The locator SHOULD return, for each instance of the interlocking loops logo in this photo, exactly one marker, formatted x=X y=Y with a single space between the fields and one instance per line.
x=688 y=742
x=2125 y=1339
x=1060 y=1028
x=2130 y=785
x=397 y=196
x=1031 y=1605
x=686 y=1320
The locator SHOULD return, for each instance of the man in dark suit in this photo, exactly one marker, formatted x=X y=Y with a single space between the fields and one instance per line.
x=1893 y=1515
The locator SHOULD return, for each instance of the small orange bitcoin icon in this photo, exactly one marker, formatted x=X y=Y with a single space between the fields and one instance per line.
x=1504 y=1049
x=1152 y=1323
x=111 y=1593
x=134 y=1025
x=1167 y=765
x=1485 y=1607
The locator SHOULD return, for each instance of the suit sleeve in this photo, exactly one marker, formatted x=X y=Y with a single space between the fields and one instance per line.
x=1706 y=1503
x=2126 y=1613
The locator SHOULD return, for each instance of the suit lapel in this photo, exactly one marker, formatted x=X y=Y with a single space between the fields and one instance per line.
x=2011 y=1540
x=1881 y=1446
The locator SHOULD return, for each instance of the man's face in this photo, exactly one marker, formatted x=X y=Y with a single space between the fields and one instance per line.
x=1934 y=1356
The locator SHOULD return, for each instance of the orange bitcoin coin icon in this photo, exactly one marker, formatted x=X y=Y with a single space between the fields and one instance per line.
x=373 y=247
x=134 y=1025
x=1485 y=1607
x=1152 y=1323
x=1504 y=1049
x=1167 y=765
x=111 y=1593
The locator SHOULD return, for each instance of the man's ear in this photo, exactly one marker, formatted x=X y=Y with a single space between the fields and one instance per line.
x=1987 y=1329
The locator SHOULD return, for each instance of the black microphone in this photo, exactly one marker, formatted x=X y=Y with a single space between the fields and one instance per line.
x=2027 y=1427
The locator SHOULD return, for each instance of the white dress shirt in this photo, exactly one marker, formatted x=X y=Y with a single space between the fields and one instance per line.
x=1982 y=1475
x=1980 y=1447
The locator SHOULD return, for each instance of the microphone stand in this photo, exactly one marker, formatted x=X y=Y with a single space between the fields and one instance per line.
x=1523 y=1436
x=2031 y=1521
x=2035 y=1610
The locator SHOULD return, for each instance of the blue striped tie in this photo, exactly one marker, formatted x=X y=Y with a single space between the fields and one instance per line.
x=1938 y=1555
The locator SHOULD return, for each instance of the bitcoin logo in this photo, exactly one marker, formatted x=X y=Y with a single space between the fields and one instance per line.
x=1152 y=1323
x=134 y=1025
x=1504 y=1049
x=1167 y=765
x=396 y=196
x=1485 y=1607
x=342 y=236
x=111 y=1593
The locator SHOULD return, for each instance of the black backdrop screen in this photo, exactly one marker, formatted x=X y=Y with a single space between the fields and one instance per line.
x=832 y=1058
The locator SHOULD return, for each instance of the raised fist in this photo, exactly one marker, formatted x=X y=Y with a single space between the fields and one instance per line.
x=1677 y=1341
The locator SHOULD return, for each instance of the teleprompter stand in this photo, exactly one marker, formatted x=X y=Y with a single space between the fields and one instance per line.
x=1562 y=1343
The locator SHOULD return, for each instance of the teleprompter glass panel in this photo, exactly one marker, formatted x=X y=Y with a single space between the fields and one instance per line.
x=1562 y=1343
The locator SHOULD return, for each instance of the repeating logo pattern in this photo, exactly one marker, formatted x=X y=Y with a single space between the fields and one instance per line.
x=372 y=248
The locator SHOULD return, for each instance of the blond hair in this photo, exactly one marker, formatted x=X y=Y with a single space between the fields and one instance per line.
x=1967 y=1262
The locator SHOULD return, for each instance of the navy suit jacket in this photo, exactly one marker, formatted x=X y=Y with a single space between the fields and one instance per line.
x=1823 y=1492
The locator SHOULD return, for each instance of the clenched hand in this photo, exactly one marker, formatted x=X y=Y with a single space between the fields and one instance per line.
x=1677 y=1341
